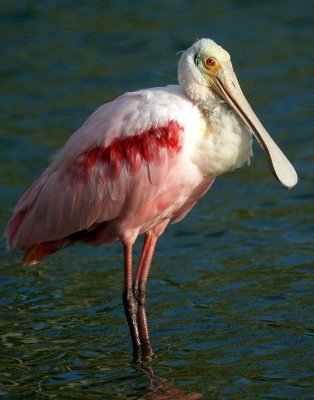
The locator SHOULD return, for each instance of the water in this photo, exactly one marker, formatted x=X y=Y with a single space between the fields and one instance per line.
x=230 y=297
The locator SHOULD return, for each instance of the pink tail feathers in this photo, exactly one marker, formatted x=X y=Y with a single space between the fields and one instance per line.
x=13 y=227
x=23 y=207
x=37 y=252
x=16 y=241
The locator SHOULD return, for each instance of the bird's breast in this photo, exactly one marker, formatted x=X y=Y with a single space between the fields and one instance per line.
x=222 y=144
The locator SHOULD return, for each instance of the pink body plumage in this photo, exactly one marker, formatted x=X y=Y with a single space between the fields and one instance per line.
x=111 y=182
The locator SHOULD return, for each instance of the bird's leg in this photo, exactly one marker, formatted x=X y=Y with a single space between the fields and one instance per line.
x=139 y=289
x=129 y=300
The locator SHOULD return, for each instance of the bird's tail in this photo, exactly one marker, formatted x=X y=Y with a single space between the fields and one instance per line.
x=37 y=252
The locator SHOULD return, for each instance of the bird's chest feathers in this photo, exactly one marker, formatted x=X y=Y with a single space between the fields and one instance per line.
x=222 y=144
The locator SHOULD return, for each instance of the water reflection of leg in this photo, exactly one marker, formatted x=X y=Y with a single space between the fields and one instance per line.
x=161 y=389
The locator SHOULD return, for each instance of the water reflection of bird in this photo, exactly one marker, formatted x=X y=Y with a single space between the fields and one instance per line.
x=140 y=163
x=160 y=388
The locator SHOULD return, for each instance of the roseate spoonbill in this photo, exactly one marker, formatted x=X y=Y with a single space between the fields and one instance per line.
x=139 y=163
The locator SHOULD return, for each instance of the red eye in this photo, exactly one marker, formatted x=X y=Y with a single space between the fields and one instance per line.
x=209 y=62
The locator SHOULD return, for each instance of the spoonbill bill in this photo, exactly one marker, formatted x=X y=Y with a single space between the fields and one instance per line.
x=139 y=163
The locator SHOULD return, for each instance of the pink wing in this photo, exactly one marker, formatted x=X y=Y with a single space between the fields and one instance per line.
x=101 y=174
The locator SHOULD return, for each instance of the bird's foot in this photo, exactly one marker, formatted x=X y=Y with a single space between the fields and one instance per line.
x=143 y=352
x=147 y=351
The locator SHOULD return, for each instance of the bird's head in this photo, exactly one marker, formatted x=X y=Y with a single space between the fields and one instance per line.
x=199 y=67
x=206 y=75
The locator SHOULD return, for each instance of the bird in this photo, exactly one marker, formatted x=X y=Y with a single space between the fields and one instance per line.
x=139 y=163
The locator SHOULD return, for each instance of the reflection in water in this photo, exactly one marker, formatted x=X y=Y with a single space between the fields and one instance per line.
x=163 y=389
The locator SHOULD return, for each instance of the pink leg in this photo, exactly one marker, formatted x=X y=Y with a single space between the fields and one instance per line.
x=139 y=286
x=134 y=295
x=129 y=300
x=139 y=289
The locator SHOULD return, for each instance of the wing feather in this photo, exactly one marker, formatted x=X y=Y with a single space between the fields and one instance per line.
x=104 y=172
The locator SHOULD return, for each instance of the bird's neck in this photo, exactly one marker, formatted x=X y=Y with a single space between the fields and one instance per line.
x=204 y=97
x=226 y=143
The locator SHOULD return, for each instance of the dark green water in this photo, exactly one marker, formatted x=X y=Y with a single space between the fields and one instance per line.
x=230 y=299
